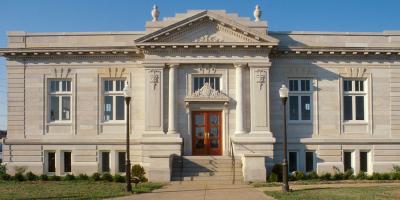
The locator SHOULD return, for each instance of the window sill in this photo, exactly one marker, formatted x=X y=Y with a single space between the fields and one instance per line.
x=300 y=122
x=113 y=123
x=59 y=123
x=355 y=122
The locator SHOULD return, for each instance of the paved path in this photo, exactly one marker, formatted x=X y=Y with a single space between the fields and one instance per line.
x=199 y=191
x=333 y=185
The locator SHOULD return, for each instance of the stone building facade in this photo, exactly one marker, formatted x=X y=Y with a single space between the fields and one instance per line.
x=204 y=82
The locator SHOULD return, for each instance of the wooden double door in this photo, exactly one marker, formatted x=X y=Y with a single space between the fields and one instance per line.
x=206 y=133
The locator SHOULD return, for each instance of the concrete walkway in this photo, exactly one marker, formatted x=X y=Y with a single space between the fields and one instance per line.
x=202 y=191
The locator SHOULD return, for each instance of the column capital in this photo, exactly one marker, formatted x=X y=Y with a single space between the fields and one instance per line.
x=172 y=65
x=259 y=65
x=241 y=65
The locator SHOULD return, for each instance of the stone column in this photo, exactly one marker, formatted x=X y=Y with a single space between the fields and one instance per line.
x=239 y=99
x=172 y=98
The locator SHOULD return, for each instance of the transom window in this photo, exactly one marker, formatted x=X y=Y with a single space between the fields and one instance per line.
x=60 y=100
x=114 y=106
x=354 y=100
x=199 y=82
x=300 y=92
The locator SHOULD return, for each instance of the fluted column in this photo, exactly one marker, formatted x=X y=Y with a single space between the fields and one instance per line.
x=239 y=99
x=172 y=98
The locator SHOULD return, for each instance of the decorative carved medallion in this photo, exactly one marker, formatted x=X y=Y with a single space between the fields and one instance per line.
x=155 y=78
x=207 y=38
x=207 y=69
x=206 y=93
x=260 y=77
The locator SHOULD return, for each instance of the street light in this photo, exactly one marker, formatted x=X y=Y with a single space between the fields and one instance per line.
x=283 y=94
x=127 y=95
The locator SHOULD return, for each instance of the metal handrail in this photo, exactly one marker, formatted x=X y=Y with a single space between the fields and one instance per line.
x=233 y=162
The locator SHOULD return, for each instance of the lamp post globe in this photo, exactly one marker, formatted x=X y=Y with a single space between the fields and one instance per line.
x=283 y=94
x=127 y=96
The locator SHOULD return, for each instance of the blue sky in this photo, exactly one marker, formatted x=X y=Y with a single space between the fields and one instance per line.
x=130 y=15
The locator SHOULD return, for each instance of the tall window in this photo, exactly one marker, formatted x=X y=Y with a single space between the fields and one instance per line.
x=348 y=160
x=60 y=100
x=51 y=162
x=198 y=82
x=363 y=161
x=354 y=100
x=105 y=161
x=293 y=161
x=67 y=161
x=121 y=162
x=310 y=161
x=300 y=91
x=114 y=106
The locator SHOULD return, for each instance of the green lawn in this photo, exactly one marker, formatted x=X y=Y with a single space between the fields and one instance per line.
x=68 y=189
x=362 y=193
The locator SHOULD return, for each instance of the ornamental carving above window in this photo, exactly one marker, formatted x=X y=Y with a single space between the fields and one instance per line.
x=207 y=93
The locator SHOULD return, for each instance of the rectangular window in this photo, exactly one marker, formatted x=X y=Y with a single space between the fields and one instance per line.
x=60 y=100
x=67 y=161
x=113 y=105
x=309 y=161
x=354 y=97
x=364 y=161
x=121 y=162
x=51 y=161
x=300 y=92
x=105 y=161
x=214 y=81
x=292 y=161
x=348 y=161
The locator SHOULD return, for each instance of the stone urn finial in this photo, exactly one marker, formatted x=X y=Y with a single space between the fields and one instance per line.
x=155 y=13
x=257 y=13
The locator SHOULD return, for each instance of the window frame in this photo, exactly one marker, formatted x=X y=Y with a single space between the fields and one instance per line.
x=114 y=94
x=354 y=94
x=59 y=94
x=299 y=93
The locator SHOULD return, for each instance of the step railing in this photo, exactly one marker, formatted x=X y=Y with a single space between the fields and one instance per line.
x=233 y=162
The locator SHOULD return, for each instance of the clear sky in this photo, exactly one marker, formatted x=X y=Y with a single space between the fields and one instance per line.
x=130 y=15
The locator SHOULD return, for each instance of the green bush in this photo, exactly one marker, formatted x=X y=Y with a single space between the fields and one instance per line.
x=396 y=168
x=31 y=176
x=376 y=176
x=95 y=177
x=5 y=177
x=19 y=177
x=277 y=169
x=3 y=169
x=107 y=177
x=54 y=178
x=118 y=178
x=298 y=176
x=69 y=177
x=272 y=177
x=395 y=176
x=326 y=176
x=386 y=176
x=348 y=174
x=338 y=176
x=312 y=175
x=362 y=176
x=83 y=177
x=43 y=177
x=138 y=172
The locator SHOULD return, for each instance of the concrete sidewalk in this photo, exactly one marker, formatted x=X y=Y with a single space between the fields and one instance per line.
x=202 y=191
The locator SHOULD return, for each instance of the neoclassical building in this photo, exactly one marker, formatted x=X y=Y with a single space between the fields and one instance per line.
x=204 y=85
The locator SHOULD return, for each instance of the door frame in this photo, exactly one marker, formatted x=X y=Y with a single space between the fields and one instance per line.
x=219 y=150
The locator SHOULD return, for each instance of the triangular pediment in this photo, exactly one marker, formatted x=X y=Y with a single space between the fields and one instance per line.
x=206 y=27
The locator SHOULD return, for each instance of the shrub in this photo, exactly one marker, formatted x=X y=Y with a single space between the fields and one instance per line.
x=31 y=176
x=298 y=175
x=396 y=168
x=376 y=176
x=107 y=177
x=5 y=177
x=326 y=176
x=386 y=176
x=272 y=177
x=3 y=169
x=43 y=177
x=312 y=175
x=138 y=173
x=83 y=177
x=348 y=174
x=277 y=169
x=118 y=178
x=69 y=177
x=395 y=176
x=338 y=176
x=54 y=178
x=19 y=177
x=362 y=176
x=95 y=177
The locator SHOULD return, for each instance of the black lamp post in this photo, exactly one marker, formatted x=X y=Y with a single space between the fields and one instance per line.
x=127 y=95
x=283 y=94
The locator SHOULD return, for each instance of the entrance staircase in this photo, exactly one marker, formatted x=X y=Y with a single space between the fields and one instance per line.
x=207 y=169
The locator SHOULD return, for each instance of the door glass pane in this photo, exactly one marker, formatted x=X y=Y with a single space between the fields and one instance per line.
x=199 y=119
x=214 y=143
x=120 y=108
x=292 y=161
x=214 y=119
x=305 y=108
x=359 y=107
x=213 y=132
x=199 y=132
x=54 y=108
x=199 y=143
x=108 y=108
x=66 y=108
x=105 y=161
x=347 y=108
x=294 y=107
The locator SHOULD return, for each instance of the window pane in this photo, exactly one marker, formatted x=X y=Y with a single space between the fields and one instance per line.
x=54 y=86
x=120 y=84
x=108 y=108
x=305 y=85
x=347 y=108
x=54 y=104
x=196 y=83
x=361 y=85
x=121 y=162
x=293 y=85
x=347 y=85
x=359 y=107
x=217 y=84
x=347 y=161
x=119 y=108
x=364 y=161
x=305 y=108
x=51 y=162
x=66 y=108
x=293 y=108
x=66 y=86
x=67 y=161
x=292 y=161
x=105 y=161
x=309 y=161
x=108 y=85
